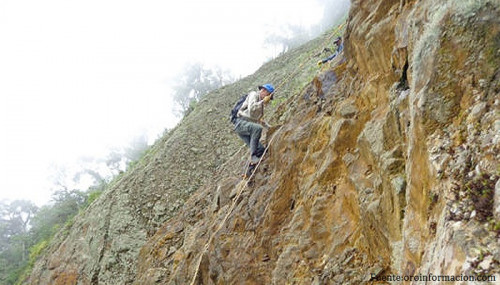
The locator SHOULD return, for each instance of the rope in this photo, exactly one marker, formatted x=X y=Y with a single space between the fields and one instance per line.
x=231 y=208
x=245 y=185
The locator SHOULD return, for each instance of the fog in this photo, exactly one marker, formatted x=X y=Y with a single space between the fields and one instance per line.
x=80 y=80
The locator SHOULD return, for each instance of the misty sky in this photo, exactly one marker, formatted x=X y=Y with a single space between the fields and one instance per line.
x=79 y=77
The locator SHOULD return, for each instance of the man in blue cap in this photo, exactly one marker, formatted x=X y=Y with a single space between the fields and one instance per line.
x=249 y=123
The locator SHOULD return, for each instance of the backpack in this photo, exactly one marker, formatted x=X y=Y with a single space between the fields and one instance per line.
x=236 y=108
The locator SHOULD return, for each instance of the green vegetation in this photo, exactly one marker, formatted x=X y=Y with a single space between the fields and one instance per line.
x=92 y=196
x=36 y=250
x=26 y=230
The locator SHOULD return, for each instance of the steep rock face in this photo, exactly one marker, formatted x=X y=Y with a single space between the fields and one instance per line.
x=103 y=243
x=391 y=170
x=386 y=163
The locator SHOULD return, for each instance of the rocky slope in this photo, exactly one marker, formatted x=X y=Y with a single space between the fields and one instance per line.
x=384 y=163
x=103 y=243
x=393 y=172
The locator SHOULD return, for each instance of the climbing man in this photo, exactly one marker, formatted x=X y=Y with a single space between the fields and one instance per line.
x=248 y=123
x=340 y=46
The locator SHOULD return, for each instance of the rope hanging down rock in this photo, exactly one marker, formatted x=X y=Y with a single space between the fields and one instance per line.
x=245 y=185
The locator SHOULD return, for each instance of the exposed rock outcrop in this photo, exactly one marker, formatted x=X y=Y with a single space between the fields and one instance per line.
x=386 y=163
x=103 y=243
x=386 y=175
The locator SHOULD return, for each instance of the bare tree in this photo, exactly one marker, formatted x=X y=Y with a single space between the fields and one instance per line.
x=196 y=81
x=289 y=36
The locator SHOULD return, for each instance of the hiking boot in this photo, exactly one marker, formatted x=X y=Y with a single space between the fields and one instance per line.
x=250 y=169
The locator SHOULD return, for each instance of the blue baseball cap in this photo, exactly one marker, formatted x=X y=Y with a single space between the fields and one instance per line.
x=268 y=87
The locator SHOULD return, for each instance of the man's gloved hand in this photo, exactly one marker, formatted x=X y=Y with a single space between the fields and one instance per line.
x=320 y=63
x=267 y=99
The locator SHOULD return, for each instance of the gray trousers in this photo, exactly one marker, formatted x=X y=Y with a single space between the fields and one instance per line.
x=250 y=133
